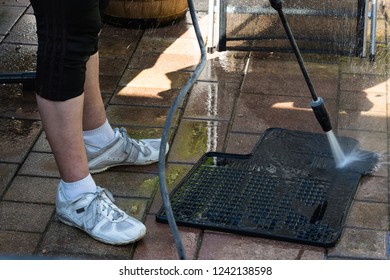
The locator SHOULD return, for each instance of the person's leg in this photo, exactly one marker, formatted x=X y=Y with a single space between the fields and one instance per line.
x=80 y=203
x=65 y=41
x=107 y=147
x=94 y=113
x=67 y=36
x=62 y=124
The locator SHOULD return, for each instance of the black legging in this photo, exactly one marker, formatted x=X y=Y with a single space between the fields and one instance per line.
x=67 y=36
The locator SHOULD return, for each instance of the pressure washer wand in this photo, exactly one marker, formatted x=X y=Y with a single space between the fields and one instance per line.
x=317 y=104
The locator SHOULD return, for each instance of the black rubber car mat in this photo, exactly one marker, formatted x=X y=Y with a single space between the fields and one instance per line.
x=288 y=189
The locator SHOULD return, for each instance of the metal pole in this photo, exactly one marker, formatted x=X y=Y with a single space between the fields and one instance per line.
x=211 y=15
x=373 y=30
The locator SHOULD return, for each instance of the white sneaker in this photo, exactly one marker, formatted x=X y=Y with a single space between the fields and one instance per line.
x=97 y=215
x=124 y=151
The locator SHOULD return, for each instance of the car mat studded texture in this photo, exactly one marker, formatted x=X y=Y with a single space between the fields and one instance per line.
x=287 y=189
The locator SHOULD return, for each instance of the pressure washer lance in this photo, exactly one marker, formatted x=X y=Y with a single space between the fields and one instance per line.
x=317 y=104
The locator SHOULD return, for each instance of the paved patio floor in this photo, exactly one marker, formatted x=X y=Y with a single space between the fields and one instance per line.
x=141 y=73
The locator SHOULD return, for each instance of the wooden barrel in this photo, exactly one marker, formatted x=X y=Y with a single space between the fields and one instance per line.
x=155 y=12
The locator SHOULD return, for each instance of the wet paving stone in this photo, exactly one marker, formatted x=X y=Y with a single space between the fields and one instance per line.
x=364 y=66
x=40 y=164
x=108 y=84
x=158 y=243
x=24 y=31
x=8 y=17
x=174 y=174
x=135 y=207
x=361 y=101
x=15 y=244
x=164 y=61
x=150 y=169
x=169 y=45
x=226 y=67
x=112 y=66
x=42 y=145
x=32 y=189
x=25 y=216
x=60 y=240
x=25 y=55
x=181 y=29
x=360 y=120
x=7 y=171
x=360 y=244
x=129 y=184
x=143 y=132
x=373 y=189
x=195 y=138
x=239 y=143
x=144 y=96
x=106 y=98
x=154 y=78
x=212 y=101
x=285 y=78
x=366 y=83
x=136 y=116
x=116 y=42
x=17 y=137
x=22 y=3
x=30 y=10
x=318 y=254
x=257 y=112
x=368 y=216
x=17 y=104
x=223 y=246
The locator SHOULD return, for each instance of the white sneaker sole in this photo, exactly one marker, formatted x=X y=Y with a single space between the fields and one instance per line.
x=141 y=234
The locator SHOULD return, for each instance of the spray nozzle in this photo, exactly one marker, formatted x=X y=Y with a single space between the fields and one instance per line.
x=321 y=114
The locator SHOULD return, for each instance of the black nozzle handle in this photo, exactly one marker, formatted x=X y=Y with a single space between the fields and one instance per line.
x=321 y=114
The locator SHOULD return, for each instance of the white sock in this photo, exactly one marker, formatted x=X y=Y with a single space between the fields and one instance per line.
x=74 y=189
x=99 y=137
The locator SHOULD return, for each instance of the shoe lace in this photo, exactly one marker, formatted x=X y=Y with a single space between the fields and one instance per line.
x=101 y=204
x=130 y=142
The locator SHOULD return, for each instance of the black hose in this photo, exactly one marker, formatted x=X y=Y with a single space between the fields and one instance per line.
x=16 y=78
x=164 y=138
